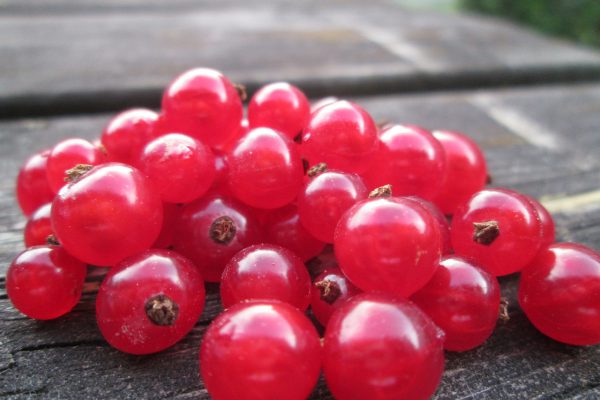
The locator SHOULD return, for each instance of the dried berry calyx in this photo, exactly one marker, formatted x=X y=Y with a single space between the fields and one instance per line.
x=485 y=232
x=161 y=310
x=383 y=191
x=77 y=172
x=330 y=290
x=222 y=230
x=316 y=170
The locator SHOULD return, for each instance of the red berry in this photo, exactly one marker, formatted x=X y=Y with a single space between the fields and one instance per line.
x=463 y=300
x=410 y=159
x=109 y=213
x=546 y=221
x=342 y=135
x=330 y=289
x=466 y=171
x=265 y=271
x=38 y=227
x=260 y=350
x=149 y=302
x=68 y=154
x=45 y=282
x=381 y=347
x=280 y=106
x=442 y=221
x=170 y=220
x=283 y=227
x=498 y=229
x=322 y=102
x=265 y=169
x=388 y=244
x=33 y=189
x=127 y=133
x=180 y=167
x=325 y=198
x=204 y=104
x=212 y=230
x=560 y=293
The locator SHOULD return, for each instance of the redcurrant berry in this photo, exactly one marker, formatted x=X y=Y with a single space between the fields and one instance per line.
x=330 y=289
x=213 y=229
x=546 y=221
x=66 y=155
x=498 y=229
x=463 y=300
x=109 y=213
x=260 y=350
x=265 y=169
x=442 y=221
x=560 y=293
x=149 y=302
x=322 y=102
x=170 y=219
x=33 y=189
x=381 y=347
x=38 y=227
x=45 y=282
x=127 y=133
x=265 y=271
x=466 y=171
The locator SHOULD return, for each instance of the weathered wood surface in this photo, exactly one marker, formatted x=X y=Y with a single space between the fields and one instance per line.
x=62 y=56
x=542 y=141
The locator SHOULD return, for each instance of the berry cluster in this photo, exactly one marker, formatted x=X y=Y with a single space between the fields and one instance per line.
x=198 y=193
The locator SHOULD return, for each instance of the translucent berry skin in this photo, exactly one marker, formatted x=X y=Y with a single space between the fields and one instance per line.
x=546 y=220
x=204 y=104
x=322 y=102
x=324 y=200
x=444 y=225
x=38 y=227
x=45 y=282
x=260 y=350
x=33 y=189
x=388 y=244
x=181 y=168
x=519 y=237
x=280 y=106
x=342 y=135
x=282 y=227
x=167 y=232
x=121 y=305
x=220 y=185
x=66 y=155
x=382 y=347
x=266 y=271
x=560 y=293
x=463 y=300
x=195 y=237
x=325 y=299
x=466 y=171
x=127 y=133
x=410 y=159
x=110 y=213
x=265 y=169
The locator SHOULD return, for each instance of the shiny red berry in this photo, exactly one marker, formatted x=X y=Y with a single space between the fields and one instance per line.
x=410 y=159
x=110 y=212
x=260 y=350
x=326 y=197
x=68 y=154
x=149 y=302
x=381 y=347
x=342 y=135
x=280 y=106
x=204 y=104
x=265 y=271
x=45 y=282
x=170 y=220
x=466 y=171
x=444 y=225
x=498 y=229
x=463 y=300
x=181 y=168
x=33 y=189
x=388 y=244
x=213 y=229
x=265 y=169
x=560 y=293
x=38 y=227
x=127 y=133
x=546 y=221
x=330 y=289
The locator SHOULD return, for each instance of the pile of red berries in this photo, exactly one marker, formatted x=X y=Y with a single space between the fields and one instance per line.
x=198 y=193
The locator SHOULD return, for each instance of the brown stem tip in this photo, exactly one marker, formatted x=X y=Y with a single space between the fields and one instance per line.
x=316 y=170
x=330 y=290
x=384 y=191
x=161 y=310
x=77 y=172
x=503 y=310
x=485 y=232
x=222 y=230
x=242 y=92
x=52 y=240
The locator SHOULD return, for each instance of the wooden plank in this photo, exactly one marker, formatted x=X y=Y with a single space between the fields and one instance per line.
x=94 y=59
x=67 y=358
